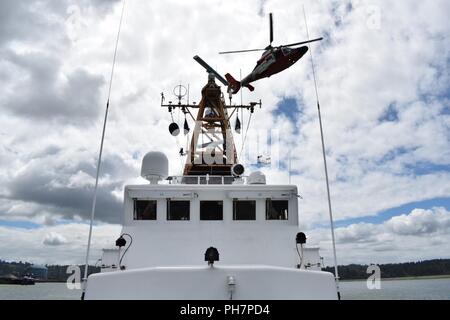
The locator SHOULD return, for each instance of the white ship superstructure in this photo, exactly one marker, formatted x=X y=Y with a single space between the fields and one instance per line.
x=168 y=229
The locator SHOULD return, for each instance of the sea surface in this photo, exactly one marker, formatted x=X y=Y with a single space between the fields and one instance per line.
x=421 y=289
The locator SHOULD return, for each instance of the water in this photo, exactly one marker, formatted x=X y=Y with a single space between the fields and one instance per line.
x=423 y=289
x=419 y=289
x=40 y=291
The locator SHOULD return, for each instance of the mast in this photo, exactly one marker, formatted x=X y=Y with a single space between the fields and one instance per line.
x=215 y=154
x=212 y=149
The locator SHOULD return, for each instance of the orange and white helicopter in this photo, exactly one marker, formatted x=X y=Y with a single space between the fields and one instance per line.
x=272 y=61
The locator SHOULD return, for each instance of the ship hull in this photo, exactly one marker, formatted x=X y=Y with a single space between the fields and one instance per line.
x=212 y=283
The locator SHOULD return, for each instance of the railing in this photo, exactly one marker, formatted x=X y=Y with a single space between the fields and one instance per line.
x=206 y=179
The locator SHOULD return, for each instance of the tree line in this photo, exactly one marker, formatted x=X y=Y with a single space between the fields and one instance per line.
x=435 y=267
x=55 y=273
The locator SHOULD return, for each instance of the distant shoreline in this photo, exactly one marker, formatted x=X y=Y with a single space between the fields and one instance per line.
x=444 y=276
x=428 y=269
x=348 y=280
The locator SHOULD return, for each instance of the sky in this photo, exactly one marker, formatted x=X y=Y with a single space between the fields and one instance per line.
x=383 y=80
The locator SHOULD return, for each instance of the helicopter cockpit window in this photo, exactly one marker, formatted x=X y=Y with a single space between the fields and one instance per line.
x=271 y=58
x=286 y=51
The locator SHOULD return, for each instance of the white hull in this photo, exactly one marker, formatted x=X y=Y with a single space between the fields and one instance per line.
x=253 y=282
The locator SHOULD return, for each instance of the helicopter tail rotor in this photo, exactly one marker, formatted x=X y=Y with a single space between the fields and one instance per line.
x=249 y=87
x=234 y=86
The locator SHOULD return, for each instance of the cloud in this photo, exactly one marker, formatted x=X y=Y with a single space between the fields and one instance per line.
x=417 y=235
x=420 y=222
x=47 y=94
x=355 y=233
x=65 y=188
x=60 y=244
x=54 y=239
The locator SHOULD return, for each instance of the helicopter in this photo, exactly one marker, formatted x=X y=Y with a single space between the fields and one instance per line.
x=272 y=61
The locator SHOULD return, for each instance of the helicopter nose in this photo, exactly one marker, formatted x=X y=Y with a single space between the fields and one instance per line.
x=300 y=52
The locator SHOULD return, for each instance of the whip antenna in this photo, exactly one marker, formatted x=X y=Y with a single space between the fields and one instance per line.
x=94 y=202
x=324 y=162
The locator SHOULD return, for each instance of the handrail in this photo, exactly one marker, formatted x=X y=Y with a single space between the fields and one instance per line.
x=206 y=179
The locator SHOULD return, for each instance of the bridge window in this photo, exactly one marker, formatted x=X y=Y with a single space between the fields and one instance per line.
x=277 y=209
x=178 y=210
x=144 y=209
x=211 y=210
x=244 y=210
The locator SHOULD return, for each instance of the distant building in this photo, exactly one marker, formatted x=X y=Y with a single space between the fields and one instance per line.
x=38 y=272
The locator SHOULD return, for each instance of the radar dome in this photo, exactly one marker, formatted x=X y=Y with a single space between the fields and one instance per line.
x=155 y=166
x=256 y=177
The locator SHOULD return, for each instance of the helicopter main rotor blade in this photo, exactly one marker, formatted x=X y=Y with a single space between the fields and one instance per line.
x=303 y=42
x=271 y=28
x=270 y=47
x=240 y=51
x=209 y=69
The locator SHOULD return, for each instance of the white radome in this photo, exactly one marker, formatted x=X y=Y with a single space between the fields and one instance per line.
x=155 y=166
x=256 y=177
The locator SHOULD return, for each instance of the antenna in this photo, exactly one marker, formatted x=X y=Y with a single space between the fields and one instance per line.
x=289 y=165
x=94 y=202
x=242 y=110
x=180 y=92
x=325 y=163
x=188 y=92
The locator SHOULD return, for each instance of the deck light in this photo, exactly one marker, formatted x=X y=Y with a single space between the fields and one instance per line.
x=301 y=238
x=237 y=170
x=211 y=255
x=121 y=242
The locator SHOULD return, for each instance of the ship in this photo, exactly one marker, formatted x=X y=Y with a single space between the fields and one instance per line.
x=14 y=280
x=212 y=232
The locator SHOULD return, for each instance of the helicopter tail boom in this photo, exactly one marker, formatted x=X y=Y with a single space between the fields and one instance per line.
x=234 y=85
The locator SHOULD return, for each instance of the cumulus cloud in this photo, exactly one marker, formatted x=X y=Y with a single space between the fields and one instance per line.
x=355 y=233
x=417 y=235
x=54 y=239
x=59 y=244
x=421 y=221
x=44 y=96
x=66 y=188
